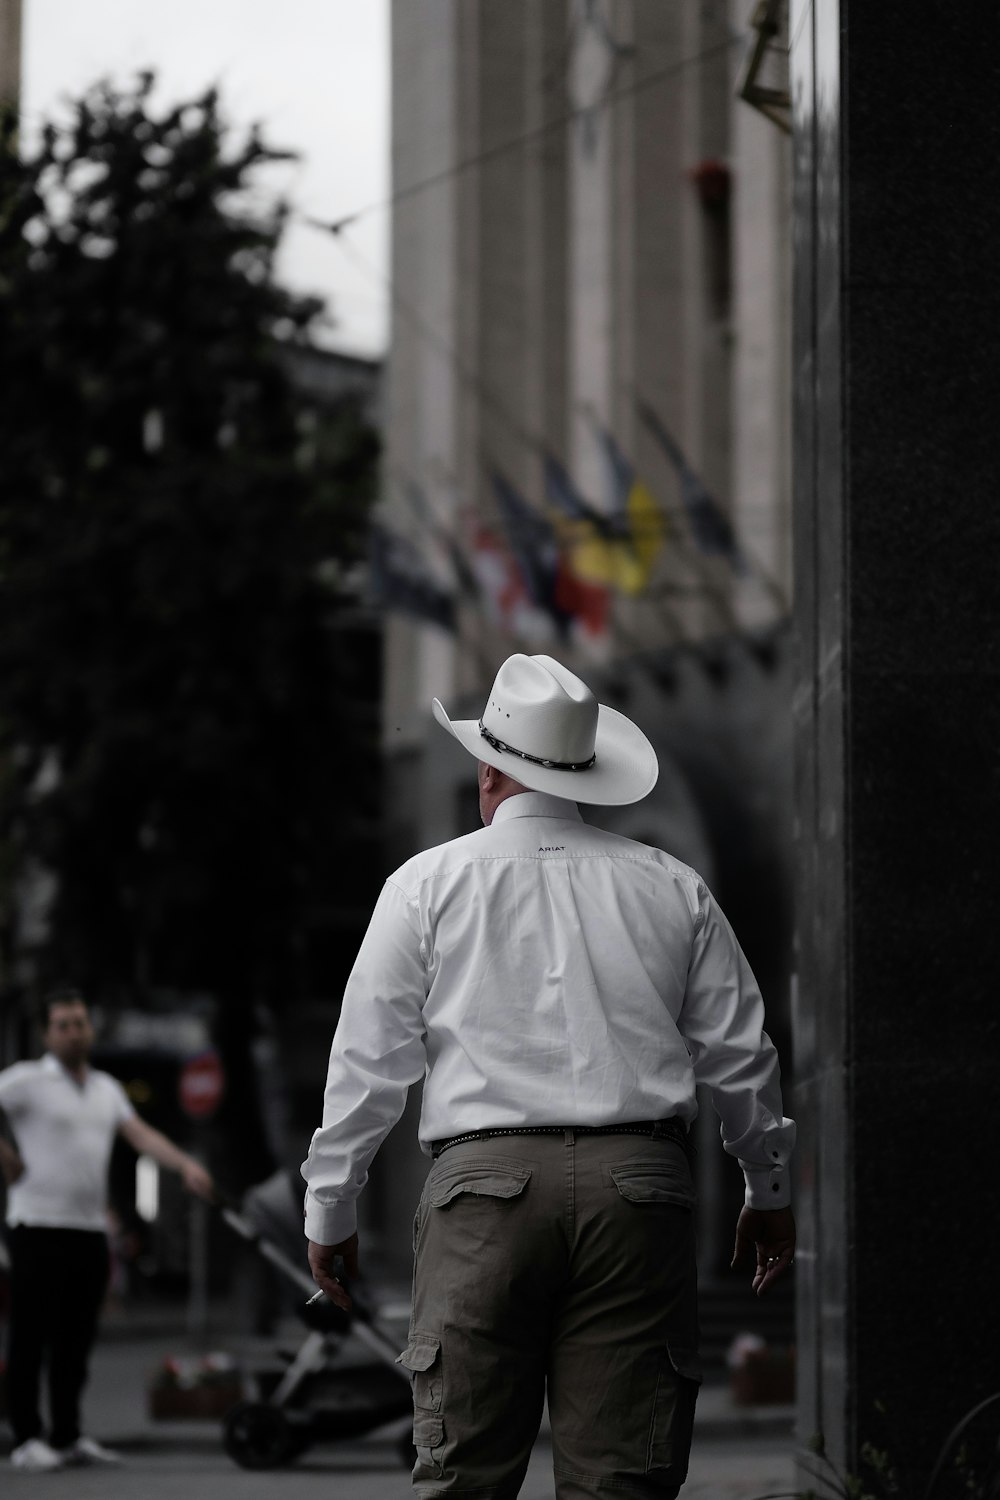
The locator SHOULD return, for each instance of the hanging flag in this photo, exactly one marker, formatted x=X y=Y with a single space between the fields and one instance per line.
x=545 y=566
x=503 y=594
x=401 y=579
x=599 y=549
x=588 y=603
x=632 y=504
x=710 y=526
x=535 y=546
x=461 y=567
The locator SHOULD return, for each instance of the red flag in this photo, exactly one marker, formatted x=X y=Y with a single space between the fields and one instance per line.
x=586 y=602
x=505 y=596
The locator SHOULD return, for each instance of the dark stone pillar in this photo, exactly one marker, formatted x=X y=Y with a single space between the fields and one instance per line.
x=897 y=494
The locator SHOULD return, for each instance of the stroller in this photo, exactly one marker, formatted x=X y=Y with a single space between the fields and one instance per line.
x=317 y=1396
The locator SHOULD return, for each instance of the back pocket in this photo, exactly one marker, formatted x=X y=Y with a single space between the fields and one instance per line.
x=656 y=1182
x=486 y=1177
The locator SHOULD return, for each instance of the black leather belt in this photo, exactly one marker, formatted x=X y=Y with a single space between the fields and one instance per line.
x=671 y=1129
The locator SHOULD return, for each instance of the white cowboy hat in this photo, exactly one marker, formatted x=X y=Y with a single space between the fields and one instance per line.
x=544 y=727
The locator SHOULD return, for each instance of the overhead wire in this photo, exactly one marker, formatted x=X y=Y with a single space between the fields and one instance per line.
x=536 y=132
x=490 y=401
x=657 y=596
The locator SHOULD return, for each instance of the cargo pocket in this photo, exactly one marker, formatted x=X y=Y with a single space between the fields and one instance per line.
x=422 y=1357
x=417 y=1221
x=672 y=1425
x=481 y=1177
x=656 y=1182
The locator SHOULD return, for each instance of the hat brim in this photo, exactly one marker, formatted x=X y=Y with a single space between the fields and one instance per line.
x=624 y=771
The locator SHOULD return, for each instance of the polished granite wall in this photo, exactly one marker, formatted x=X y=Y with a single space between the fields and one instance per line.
x=897 y=536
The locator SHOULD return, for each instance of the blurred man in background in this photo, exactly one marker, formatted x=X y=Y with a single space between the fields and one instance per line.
x=63 y=1116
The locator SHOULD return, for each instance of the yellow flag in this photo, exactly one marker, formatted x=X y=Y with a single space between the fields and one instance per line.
x=617 y=554
x=622 y=562
x=648 y=526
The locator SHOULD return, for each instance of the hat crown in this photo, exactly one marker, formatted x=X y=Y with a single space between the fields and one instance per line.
x=537 y=706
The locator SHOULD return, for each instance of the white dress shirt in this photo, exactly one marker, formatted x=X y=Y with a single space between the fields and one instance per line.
x=544 y=972
x=64 y=1131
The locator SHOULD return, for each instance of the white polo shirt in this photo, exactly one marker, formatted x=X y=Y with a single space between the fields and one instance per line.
x=64 y=1132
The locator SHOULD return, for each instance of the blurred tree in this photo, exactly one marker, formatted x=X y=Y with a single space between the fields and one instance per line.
x=177 y=530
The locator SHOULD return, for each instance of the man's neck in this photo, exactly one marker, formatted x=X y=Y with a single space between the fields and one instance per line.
x=77 y=1071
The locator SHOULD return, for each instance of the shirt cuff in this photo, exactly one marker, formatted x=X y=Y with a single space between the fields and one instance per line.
x=767 y=1187
x=329 y=1225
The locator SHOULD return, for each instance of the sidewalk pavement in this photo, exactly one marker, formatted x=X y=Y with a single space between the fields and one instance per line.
x=133 y=1346
x=740 y=1452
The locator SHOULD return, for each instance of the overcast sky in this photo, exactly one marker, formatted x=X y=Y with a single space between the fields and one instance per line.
x=314 y=73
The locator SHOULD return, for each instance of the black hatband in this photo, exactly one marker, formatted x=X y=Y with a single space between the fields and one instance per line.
x=536 y=760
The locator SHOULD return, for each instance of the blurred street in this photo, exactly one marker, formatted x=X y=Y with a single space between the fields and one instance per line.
x=740 y=1453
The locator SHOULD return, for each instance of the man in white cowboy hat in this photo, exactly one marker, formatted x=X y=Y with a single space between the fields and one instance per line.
x=561 y=990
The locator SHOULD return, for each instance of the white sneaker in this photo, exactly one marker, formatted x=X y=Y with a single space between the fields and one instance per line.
x=36 y=1454
x=88 y=1451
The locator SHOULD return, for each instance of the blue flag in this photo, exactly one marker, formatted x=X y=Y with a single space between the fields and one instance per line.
x=535 y=547
x=460 y=565
x=710 y=526
x=401 y=579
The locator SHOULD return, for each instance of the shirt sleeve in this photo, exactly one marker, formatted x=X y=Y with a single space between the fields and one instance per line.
x=722 y=1022
x=12 y=1089
x=378 y=1052
x=123 y=1106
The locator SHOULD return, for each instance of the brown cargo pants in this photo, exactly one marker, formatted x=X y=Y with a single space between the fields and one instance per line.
x=558 y=1266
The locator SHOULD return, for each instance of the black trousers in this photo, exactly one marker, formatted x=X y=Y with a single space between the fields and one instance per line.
x=58 y=1281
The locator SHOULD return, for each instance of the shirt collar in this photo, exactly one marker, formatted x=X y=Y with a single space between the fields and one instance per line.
x=536 y=805
x=51 y=1064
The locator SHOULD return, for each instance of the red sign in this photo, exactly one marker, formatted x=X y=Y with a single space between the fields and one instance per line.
x=201 y=1085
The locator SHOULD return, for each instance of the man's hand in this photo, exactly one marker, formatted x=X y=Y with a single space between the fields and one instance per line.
x=197 y=1180
x=771 y=1232
x=321 y=1261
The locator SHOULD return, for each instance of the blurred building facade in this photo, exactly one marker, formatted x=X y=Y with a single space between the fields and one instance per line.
x=590 y=264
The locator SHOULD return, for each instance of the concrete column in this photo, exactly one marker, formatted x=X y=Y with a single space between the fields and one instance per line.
x=590 y=245
x=896 y=474
x=422 y=381
x=761 y=327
